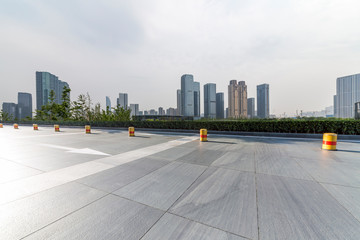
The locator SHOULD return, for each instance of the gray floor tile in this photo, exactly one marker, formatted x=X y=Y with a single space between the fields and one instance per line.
x=202 y=157
x=238 y=161
x=27 y=215
x=109 y=218
x=298 y=209
x=11 y=171
x=173 y=153
x=177 y=228
x=161 y=188
x=224 y=199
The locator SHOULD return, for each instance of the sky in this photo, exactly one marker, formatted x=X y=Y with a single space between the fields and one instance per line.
x=143 y=47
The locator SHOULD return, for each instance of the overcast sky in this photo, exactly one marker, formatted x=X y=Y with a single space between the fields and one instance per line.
x=143 y=47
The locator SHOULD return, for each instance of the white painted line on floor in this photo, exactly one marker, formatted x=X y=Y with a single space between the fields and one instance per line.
x=76 y=150
x=24 y=187
x=49 y=135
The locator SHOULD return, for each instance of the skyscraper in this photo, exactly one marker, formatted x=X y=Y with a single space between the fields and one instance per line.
x=210 y=100
x=178 y=100
x=24 y=107
x=347 y=94
x=45 y=82
x=187 y=95
x=196 y=99
x=263 y=101
x=108 y=103
x=251 y=107
x=220 y=106
x=123 y=100
x=134 y=110
x=161 y=111
x=237 y=99
x=10 y=109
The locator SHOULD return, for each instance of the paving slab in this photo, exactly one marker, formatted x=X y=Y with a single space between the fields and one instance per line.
x=201 y=157
x=161 y=188
x=109 y=218
x=244 y=161
x=298 y=209
x=10 y=171
x=224 y=199
x=178 y=228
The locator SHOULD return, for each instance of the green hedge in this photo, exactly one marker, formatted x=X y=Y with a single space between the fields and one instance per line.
x=349 y=127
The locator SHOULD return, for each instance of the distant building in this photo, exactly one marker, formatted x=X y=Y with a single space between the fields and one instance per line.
x=251 y=107
x=108 y=103
x=178 y=101
x=220 y=105
x=134 y=110
x=24 y=106
x=196 y=99
x=153 y=112
x=187 y=95
x=263 y=108
x=10 y=109
x=210 y=100
x=237 y=99
x=161 y=111
x=171 y=112
x=123 y=100
x=45 y=82
x=146 y=113
x=347 y=94
x=227 y=113
x=141 y=113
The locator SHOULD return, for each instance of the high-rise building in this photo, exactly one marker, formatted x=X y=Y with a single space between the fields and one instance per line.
x=210 y=100
x=187 y=95
x=347 y=94
x=24 y=106
x=220 y=106
x=196 y=99
x=178 y=101
x=123 y=100
x=251 y=107
x=171 y=111
x=10 y=109
x=263 y=108
x=237 y=99
x=161 y=111
x=134 y=110
x=108 y=103
x=153 y=112
x=45 y=82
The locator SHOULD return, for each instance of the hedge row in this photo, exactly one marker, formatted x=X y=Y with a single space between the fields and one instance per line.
x=349 y=127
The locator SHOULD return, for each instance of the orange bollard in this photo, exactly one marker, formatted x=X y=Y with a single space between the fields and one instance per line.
x=16 y=126
x=131 y=132
x=203 y=135
x=87 y=129
x=329 y=141
x=35 y=126
x=1 y=125
x=57 y=128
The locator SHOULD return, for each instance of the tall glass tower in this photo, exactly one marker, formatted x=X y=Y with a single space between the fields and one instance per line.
x=263 y=108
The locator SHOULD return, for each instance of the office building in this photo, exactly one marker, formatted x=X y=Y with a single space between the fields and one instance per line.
x=153 y=112
x=237 y=99
x=45 y=82
x=347 y=94
x=196 y=99
x=178 y=101
x=134 y=110
x=24 y=106
x=10 y=110
x=108 y=103
x=187 y=95
x=161 y=111
x=171 y=112
x=210 y=100
x=220 y=106
x=251 y=107
x=123 y=100
x=263 y=108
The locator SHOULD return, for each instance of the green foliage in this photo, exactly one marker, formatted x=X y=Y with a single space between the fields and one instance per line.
x=5 y=117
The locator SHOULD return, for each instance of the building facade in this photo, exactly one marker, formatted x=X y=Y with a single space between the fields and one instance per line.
x=220 y=106
x=178 y=102
x=187 y=95
x=123 y=100
x=263 y=105
x=24 y=106
x=134 y=110
x=237 y=99
x=45 y=82
x=108 y=103
x=171 y=112
x=196 y=99
x=210 y=100
x=161 y=111
x=10 y=109
x=251 y=107
x=347 y=94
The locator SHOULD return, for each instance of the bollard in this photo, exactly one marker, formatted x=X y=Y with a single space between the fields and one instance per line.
x=16 y=126
x=35 y=126
x=1 y=125
x=131 y=132
x=329 y=141
x=57 y=128
x=203 y=135
x=87 y=129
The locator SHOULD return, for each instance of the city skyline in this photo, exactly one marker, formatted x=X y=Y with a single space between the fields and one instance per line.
x=108 y=46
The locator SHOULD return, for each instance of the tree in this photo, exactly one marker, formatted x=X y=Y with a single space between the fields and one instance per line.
x=65 y=106
x=4 y=116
